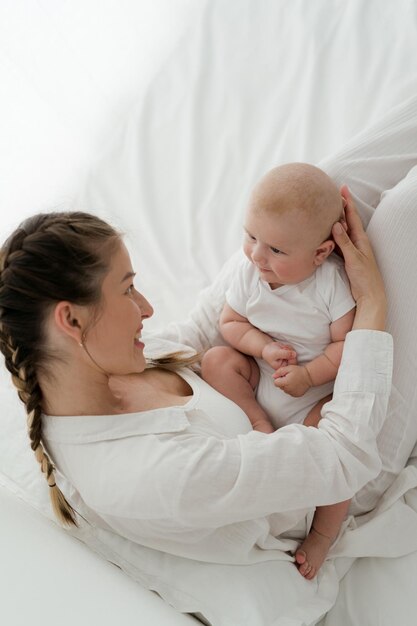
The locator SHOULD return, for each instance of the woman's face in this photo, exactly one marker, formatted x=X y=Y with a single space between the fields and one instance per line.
x=113 y=340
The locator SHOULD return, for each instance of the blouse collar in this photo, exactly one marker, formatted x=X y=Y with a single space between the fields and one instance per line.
x=92 y=428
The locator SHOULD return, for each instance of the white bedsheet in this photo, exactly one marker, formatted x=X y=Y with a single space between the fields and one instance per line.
x=96 y=592
x=247 y=85
x=250 y=85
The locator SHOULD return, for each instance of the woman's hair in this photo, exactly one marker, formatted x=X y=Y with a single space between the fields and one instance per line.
x=50 y=257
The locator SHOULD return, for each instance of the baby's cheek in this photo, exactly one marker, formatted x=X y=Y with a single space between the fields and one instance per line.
x=280 y=267
x=248 y=251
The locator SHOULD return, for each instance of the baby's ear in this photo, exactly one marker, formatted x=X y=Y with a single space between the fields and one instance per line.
x=323 y=251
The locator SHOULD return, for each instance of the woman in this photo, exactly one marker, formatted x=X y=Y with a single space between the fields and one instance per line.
x=173 y=465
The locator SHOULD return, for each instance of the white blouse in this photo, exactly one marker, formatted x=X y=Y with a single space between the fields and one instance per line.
x=197 y=481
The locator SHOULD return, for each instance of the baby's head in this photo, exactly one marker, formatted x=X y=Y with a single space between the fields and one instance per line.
x=289 y=222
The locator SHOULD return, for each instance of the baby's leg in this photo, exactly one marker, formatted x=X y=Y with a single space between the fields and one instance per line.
x=236 y=376
x=327 y=520
x=311 y=553
x=314 y=415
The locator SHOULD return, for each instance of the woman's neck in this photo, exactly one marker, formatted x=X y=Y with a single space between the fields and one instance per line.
x=78 y=390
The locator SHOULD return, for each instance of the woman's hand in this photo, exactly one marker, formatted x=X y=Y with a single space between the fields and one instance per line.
x=361 y=267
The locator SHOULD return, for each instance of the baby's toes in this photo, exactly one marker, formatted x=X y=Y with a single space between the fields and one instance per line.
x=311 y=573
x=300 y=557
x=305 y=568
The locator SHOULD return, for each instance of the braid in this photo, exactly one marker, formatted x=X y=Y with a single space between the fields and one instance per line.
x=49 y=258
x=25 y=380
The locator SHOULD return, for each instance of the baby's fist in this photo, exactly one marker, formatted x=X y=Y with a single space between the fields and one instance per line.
x=293 y=379
x=277 y=354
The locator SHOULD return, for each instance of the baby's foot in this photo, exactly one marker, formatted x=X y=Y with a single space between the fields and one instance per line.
x=311 y=553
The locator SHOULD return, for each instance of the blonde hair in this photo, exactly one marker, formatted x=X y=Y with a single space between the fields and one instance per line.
x=303 y=187
x=175 y=360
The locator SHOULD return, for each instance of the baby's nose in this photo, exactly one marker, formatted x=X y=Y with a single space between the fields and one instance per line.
x=258 y=254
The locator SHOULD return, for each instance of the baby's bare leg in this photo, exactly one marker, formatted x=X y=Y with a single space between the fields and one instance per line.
x=324 y=530
x=326 y=523
x=314 y=415
x=236 y=375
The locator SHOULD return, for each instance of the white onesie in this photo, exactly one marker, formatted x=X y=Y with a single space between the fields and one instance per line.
x=299 y=315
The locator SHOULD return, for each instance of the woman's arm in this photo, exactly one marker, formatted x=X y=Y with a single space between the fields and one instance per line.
x=296 y=467
x=193 y=480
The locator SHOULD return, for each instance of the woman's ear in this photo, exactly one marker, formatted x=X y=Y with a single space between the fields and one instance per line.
x=68 y=319
x=323 y=251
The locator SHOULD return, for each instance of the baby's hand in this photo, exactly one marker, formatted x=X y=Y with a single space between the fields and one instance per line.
x=293 y=379
x=279 y=354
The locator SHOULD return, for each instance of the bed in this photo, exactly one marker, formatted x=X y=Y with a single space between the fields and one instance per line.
x=168 y=151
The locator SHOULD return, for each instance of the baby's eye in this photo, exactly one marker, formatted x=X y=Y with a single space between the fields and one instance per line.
x=275 y=250
x=251 y=237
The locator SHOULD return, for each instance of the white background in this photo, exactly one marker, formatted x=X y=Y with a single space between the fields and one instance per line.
x=69 y=70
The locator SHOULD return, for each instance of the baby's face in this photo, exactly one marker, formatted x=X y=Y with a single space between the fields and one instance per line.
x=282 y=246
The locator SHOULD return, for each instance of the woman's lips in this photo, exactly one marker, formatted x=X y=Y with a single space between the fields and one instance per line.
x=138 y=343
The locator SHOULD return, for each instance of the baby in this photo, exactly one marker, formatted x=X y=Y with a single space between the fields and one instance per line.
x=289 y=309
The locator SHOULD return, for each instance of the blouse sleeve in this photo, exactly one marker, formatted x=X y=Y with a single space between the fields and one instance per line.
x=225 y=481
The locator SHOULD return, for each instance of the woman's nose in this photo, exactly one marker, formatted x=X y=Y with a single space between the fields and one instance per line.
x=146 y=309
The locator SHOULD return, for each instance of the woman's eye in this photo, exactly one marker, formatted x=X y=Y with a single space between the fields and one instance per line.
x=130 y=289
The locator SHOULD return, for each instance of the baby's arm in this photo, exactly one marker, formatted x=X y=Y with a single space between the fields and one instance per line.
x=324 y=368
x=242 y=335
x=296 y=380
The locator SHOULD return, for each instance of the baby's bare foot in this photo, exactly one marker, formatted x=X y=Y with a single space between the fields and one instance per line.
x=311 y=553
